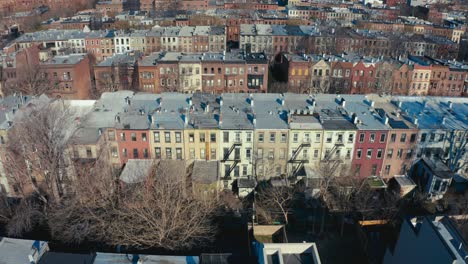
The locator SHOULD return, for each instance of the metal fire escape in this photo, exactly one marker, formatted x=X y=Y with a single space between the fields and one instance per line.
x=297 y=164
x=235 y=161
x=329 y=157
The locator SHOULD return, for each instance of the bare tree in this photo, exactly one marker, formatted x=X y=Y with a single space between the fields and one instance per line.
x=36 y=146
x=33 y=80
x=271 y=200
x=162 y=214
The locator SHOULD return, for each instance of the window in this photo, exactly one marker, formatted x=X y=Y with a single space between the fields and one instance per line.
x=350 y=138
x=403 y=138
x=432 y=137
x=248 y=154
x=244 y=170
x=260 y=153
x=133 y=136
x=122 y=136
x=329 y=137
x=111 y=135
x=359 y=154
x=260 y=137
x=441 y=137
x=399 y=153
x=369 y=153
x=156 y=137
x=213 y=154
x=168 y=153
x=271 y=154
x=202 y=153
x=374 y=170
x=348 y=154
x=238 y=137
x=283 y=137
x=282 y=154
x=423 y=137
x=143 y=136
x=124 y=152
x=295 y=137
x=192 y=153
x=317 y=138
x=89 y=152
x=178 y=137
x=339 y=138
x=213 y=137
x=387 y=169
x=372 y=138
x=357 y=170
x=413 y=138
x=167 y=137
x=191 y=137
x=114 y=152
x=382 y=138
x=226 y=137
x=145 y=153
x=202 y=137
x=379 y=153
x=361 y=137
x=135 y=153
x=157 y=153
x=307 y=137
x=272 y=137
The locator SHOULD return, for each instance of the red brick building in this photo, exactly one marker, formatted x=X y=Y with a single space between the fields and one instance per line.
x=69 y=76
x=132 y=136
x=362 y=79
x=369 y=152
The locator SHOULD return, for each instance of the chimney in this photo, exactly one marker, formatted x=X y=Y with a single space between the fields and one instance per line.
x=150 y=119
x=190 y=101
x=282 y=101
x=385 y=120
x=415 y=121
x=185 y=119
x=117 y=118
x=355 y=119
x=220 y=101
x=220 y=119
x=400 y=103
x=251 y=101
x=289 y=118
x=207 y=107
x=343 y=102
x=372 y=103
x=444 y=119
x=450 y=104
x=254 y=121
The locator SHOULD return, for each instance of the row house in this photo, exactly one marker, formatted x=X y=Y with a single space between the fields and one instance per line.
x=103 y=44
x=371 y=137
x=267 y=135
x=273 y=39
x=441 y=129
x=451 y=33
x=347 y=74
x=207 y=72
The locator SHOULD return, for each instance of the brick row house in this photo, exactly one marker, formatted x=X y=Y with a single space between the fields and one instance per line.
x=265 y=135
x=206 y=72
x=349 y=74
